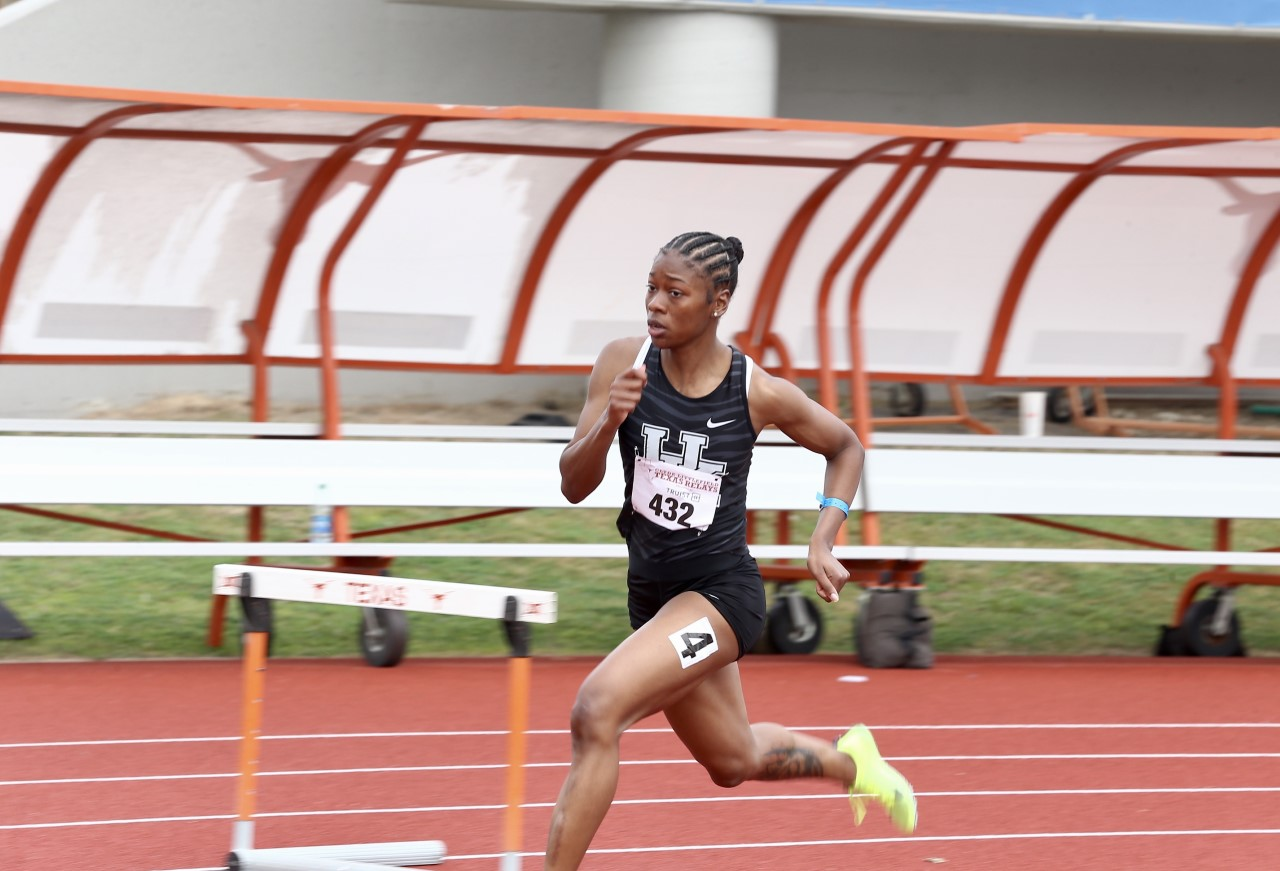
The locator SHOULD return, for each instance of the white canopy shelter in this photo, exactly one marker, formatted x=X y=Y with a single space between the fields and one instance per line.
x=139 y=227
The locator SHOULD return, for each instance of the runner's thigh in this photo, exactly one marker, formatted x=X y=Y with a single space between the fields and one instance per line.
x=686 y=641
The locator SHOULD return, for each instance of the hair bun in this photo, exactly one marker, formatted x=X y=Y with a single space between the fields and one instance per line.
x=735 y=247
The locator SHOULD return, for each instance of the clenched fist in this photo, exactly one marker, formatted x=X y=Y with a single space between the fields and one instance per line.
x=624 y=393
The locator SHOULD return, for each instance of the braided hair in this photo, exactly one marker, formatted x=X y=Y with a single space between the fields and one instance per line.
x=717 y=258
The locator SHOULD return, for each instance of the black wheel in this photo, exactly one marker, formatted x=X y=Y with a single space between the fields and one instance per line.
x=794 y=624
x=1171 y=643
x=384 y=636
x=1058 y=404
x=906 y=400
x=1198 y=632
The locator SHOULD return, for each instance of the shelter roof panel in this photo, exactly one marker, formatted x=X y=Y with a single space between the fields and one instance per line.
x=41 y=110
x=515 y=238
x=932 y=302
x=1238 y=154
x=797 y=322
x=770 y=143
x=593 y=289
x=1135 y=282
x=1257 y=352
x=433 y=274
x=136 y=253
x=535 y=133
x=1199 y=148
x=24 y=156
x=1059 y=148
x=260 y=123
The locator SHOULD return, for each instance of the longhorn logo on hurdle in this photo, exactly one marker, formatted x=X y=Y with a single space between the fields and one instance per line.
x=226 y=585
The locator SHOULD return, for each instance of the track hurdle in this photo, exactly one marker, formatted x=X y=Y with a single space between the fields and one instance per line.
x=257 y=585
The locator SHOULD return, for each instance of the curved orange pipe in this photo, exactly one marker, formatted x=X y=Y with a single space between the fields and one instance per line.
x=858 y=387
x=324 y=311
x=1223 y=352
x=827 y=393
x=300 y=213
x=784 y=253
x=330 y=408
x=1039 y=236
x=1221 y=374
x=551 y=230
x=1253 y=269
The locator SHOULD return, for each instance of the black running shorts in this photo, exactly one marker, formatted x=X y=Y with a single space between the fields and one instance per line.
x=733 y=586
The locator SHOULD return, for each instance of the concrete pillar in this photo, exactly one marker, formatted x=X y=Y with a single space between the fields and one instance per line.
x=699 y=63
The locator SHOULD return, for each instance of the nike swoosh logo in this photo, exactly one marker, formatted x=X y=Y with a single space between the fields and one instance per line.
x=718 y=423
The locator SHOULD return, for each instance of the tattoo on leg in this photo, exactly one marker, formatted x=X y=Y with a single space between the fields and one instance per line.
x=785 y=763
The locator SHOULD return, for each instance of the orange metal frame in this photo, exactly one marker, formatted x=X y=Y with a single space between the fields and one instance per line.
x=920 y=151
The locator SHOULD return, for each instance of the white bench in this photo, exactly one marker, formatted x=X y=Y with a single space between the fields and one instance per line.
x=506 y=467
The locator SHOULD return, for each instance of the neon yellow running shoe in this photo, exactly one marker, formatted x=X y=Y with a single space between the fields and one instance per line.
x=877 y=779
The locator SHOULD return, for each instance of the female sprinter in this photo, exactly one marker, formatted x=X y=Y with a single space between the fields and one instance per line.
x=686 y=409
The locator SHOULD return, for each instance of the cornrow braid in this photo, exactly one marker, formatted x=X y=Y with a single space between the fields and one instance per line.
x=717 y=258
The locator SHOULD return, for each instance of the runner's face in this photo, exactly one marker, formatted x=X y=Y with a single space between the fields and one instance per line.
x=678 y=301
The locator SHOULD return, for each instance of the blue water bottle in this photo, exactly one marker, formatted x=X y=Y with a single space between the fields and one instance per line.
x=321 y=518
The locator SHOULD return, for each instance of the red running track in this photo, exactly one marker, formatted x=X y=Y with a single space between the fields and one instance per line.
x=1123 y=764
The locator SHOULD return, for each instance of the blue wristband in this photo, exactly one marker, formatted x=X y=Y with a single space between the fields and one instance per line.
x=832 y=502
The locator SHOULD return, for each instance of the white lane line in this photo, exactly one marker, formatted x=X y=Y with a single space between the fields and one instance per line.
x=315 y=772
x=13 y=827
x=1017 y=757
x=916 y=839
x=640 y=802
x=911 y=839
x=478 y=733
x=309 y=772
x=409 y=769
x=948 y=727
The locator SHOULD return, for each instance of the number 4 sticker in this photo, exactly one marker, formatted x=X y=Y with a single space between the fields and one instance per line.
x=694 y=642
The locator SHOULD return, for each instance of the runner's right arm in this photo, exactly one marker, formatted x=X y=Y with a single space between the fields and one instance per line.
x=612 y=393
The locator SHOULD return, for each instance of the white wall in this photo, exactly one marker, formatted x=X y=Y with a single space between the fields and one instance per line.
x=841 y=69
x=698 y=63
x=324 y=49
x=828 y=68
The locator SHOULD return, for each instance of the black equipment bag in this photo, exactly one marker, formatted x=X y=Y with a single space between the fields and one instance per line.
x=892 y=629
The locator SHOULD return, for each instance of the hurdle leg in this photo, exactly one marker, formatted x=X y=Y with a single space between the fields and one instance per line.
x=518 y=721
x=217 y=614
x=518 y=717
x=254 y=681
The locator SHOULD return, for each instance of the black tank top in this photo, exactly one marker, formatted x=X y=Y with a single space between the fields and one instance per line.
x=712 y=433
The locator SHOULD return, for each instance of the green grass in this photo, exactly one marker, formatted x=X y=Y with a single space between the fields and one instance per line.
x=132 y=607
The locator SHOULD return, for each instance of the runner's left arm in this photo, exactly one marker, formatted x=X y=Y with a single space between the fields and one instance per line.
x=776 y=401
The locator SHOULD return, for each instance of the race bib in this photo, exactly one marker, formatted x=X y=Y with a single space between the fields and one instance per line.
x=674 y=497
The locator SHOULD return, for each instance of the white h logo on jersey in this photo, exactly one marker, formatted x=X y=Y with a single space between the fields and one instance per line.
x=692 y=444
